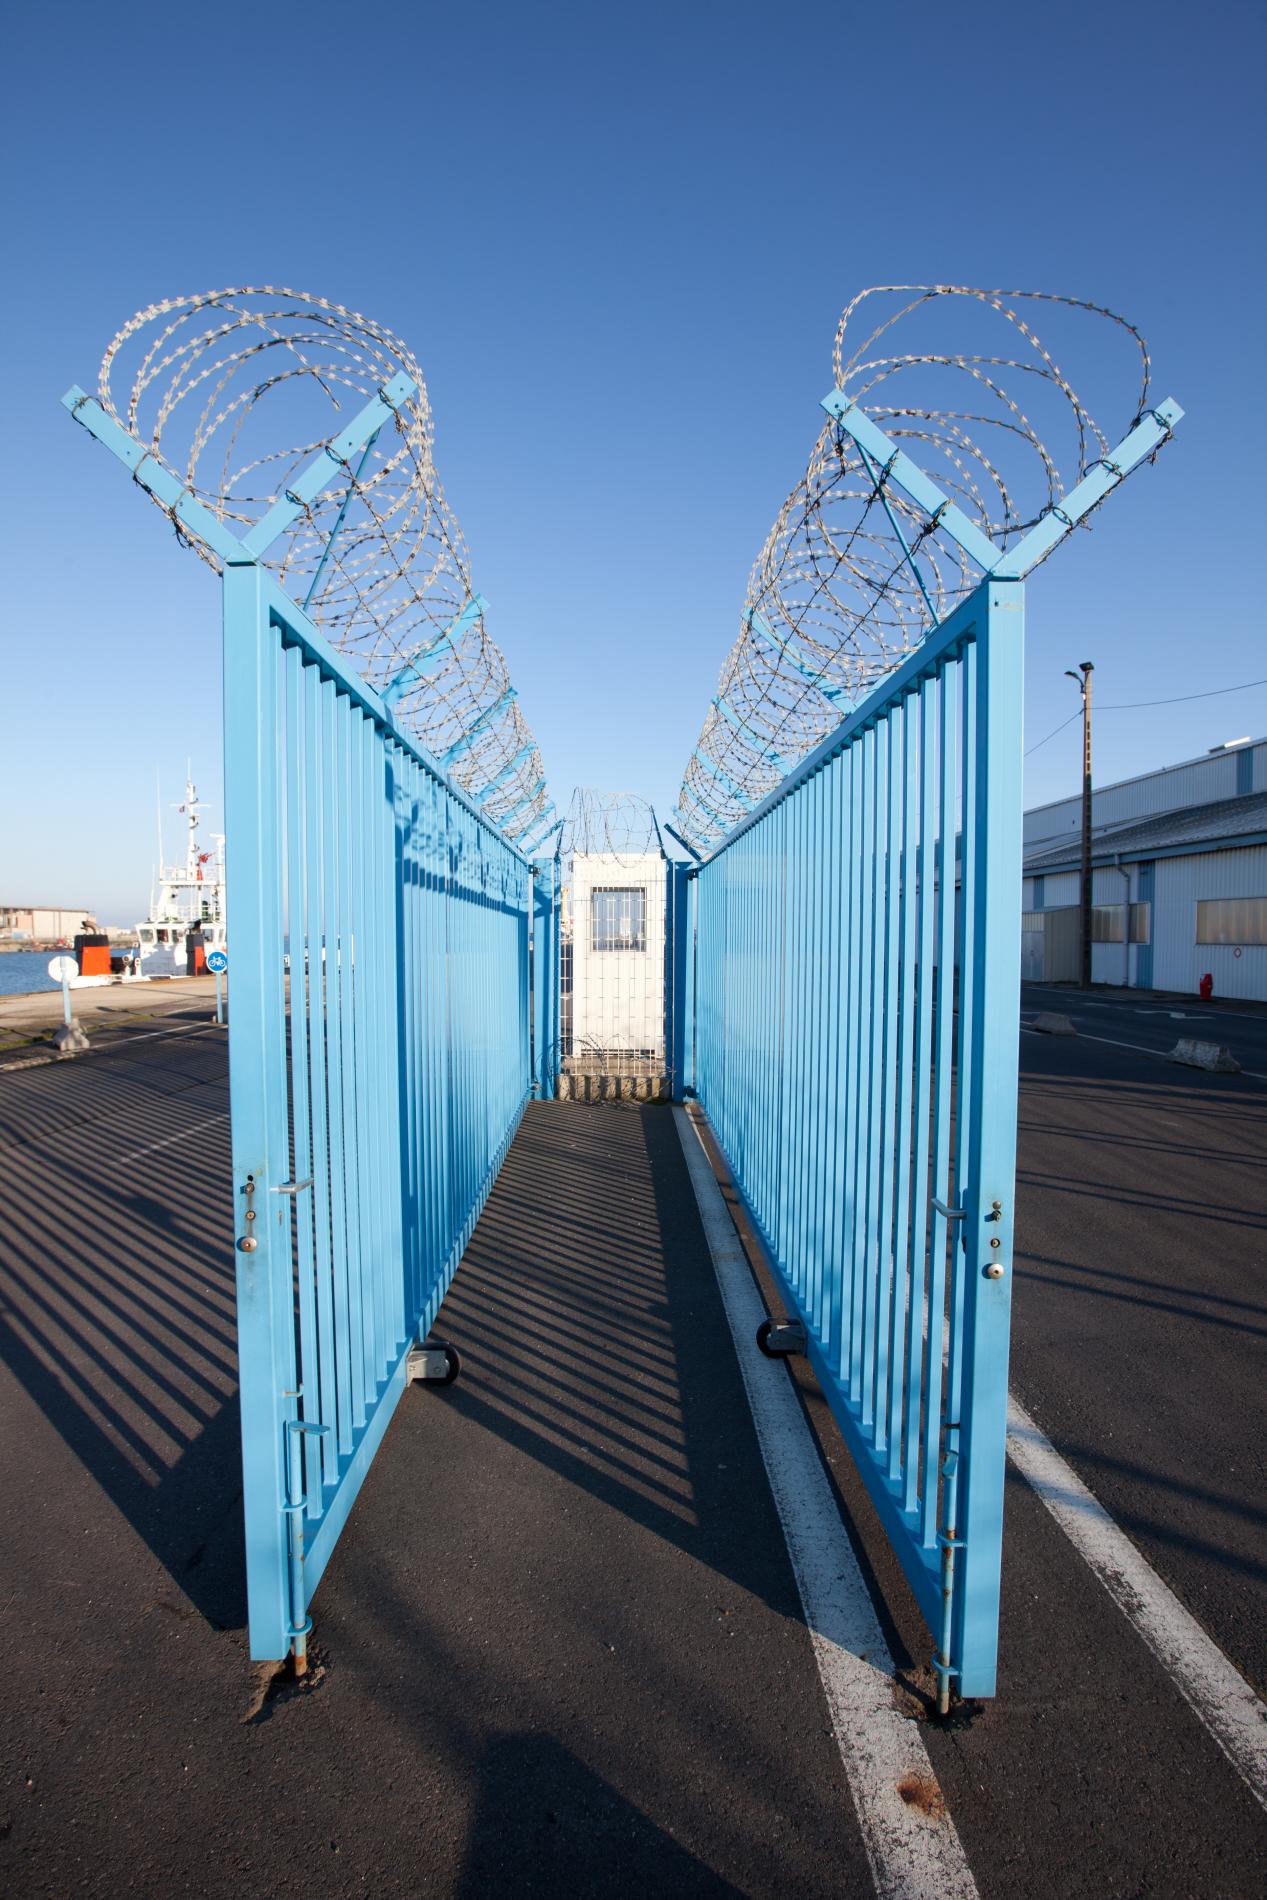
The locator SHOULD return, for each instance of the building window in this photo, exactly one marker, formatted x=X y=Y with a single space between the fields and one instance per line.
x=1108 y=922
x=619 y=919
x=1238 y=920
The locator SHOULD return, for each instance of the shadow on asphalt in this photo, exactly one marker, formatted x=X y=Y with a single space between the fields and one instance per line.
x=545 y=1823
x=118 y=1298
x=603 y=1349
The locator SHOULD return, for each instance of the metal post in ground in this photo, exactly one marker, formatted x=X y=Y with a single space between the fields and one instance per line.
x=70 y=1038
x=218 y=963
x=1085 y=668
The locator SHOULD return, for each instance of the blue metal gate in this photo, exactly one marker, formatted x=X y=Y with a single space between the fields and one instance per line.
x=379 y=1045
x=374 y=1092
x=857 y=973
x=869 y=1122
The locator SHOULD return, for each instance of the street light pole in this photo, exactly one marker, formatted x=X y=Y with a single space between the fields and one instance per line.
x=1085 y=669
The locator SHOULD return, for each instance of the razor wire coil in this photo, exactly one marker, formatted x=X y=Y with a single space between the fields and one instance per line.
x=854 y=574
x=209 y=383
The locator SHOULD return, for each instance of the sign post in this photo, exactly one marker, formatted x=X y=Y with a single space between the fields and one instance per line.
x=61 y=969
x=218 y=963
x=70 y=1038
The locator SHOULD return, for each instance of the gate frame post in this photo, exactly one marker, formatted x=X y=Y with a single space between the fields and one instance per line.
x=545 y=980
x=989 y=1201
x=684 y=889
x=257 y=1083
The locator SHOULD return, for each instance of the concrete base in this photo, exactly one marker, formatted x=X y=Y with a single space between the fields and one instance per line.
x=1052 y=1023
x=69 y=1040
x=1215 y=1056
x=615 y=1088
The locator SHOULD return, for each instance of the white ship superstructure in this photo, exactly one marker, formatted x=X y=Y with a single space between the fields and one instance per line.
x=187 y=912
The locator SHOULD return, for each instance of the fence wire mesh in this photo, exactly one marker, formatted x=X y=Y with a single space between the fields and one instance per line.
x=614 y=936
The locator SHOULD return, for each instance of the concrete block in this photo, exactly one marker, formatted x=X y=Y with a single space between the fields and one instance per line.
x=1052 y=1023
x=69 y=1040
x=1214 y=1056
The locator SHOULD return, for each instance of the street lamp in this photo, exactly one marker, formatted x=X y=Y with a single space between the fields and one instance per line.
x=1082 y=680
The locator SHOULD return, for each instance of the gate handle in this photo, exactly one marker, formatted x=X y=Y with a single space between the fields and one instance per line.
x=950 y=1213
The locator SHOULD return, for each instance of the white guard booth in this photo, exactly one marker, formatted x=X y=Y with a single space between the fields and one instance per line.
x=616 y=909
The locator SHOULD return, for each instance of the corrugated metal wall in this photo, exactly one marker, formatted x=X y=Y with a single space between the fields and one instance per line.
x=1178 y=960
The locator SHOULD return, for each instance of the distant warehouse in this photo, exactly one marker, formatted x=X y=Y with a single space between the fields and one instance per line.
x=43 y=923
x=1179 y=879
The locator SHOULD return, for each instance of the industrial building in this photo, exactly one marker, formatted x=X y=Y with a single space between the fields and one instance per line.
x=1179 y=879
x=43 y=923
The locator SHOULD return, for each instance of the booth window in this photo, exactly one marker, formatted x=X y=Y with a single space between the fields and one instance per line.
x=618 y=919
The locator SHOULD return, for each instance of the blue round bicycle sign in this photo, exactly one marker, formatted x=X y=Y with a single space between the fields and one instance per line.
x=217 y=962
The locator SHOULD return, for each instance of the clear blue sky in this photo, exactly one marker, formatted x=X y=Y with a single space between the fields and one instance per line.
x=618 y=240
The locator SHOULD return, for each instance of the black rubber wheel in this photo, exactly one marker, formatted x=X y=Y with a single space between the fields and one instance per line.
x=763 y=1339
x=452 y=1363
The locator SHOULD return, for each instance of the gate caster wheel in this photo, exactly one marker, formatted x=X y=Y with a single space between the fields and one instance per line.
x=435 y=1362
x=780 y=1339
x=452 y=1361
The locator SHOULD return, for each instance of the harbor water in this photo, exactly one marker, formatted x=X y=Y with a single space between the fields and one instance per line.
x=23 y=972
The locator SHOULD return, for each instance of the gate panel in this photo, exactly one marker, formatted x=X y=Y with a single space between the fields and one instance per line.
x=379 y=1062
x=866 y=1099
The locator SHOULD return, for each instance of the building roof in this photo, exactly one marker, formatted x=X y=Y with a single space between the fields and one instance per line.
x=1222 y=825
x=1228 y=750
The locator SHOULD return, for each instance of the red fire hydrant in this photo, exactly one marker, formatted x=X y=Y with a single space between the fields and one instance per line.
x=1206 y=986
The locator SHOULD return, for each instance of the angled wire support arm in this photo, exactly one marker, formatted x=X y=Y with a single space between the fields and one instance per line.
x=1151 y=432
x=335 y=455
x=154 y=476
x=1153 y=429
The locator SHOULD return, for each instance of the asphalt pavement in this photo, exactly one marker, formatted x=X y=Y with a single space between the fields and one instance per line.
x=1156 y=1022
x=560 y=1647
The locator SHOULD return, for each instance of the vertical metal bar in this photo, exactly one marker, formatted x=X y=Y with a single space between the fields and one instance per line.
x=402 y=874
x=991 y=1118
x=257 y=1084
x=863 y=1069
x=296 y=776
x=316 y=936
x=348 y=948
x=368 y=1102
x=908 y=952
x=939 y=1231
x=918 y=1339
x=888 y=1137
x=824 y=990
x=844 y=985
x=971 y=777
x=875 y=1075
x=335 y=950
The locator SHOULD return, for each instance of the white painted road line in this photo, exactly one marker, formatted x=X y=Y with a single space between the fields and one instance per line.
x=182 y=1134
x=1228 y=1708
x=911 y=1842
x=126 y=1040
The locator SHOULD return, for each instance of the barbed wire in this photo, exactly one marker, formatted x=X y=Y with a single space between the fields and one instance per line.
x=210 y=384
x=618 y=825
x=854 y=574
